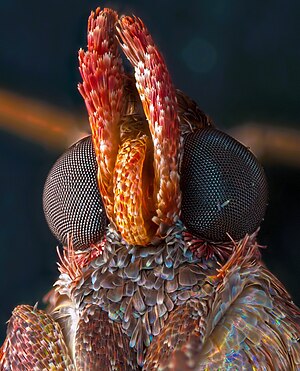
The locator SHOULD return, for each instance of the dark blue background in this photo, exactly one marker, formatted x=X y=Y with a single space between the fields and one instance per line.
x=238 y=59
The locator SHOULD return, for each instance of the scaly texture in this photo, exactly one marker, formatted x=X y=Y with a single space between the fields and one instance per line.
x=247 y=322
x=138 y=167
x=131 y=197
x=160 y=106
x=174 y=347
x=34 y=342
x=100 y=343
x=252 y=321
x=176 y=303
x=102 y=89
x=139 y=286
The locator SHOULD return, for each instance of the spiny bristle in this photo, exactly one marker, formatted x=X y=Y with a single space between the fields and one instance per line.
x=205 y=249
x=67 y=263
x=244 y=252
x=72 y=262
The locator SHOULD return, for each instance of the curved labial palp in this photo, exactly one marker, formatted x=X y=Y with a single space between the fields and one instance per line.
x=138 y=166
x=131 y=196
x=160 y=106
x=102 y=89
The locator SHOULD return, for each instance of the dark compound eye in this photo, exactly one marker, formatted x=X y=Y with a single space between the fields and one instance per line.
x=72 y=202
x=224 y=188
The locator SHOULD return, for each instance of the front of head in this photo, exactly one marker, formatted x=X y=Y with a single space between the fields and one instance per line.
x=149 y=163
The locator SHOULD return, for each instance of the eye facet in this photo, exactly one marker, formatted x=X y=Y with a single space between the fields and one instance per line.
x=71 y=199
x=224 y=188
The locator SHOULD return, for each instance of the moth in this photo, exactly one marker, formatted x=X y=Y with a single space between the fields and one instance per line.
x=158 y=212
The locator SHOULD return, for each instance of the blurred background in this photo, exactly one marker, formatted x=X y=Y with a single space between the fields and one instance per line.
x=238 y=59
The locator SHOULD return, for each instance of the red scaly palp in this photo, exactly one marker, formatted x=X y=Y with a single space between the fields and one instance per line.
x=102 y=89
x=160 y=106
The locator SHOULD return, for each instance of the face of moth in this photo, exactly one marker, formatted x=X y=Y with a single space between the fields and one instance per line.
x=153 y=159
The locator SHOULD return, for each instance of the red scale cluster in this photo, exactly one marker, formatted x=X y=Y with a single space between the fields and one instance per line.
x=124 y=186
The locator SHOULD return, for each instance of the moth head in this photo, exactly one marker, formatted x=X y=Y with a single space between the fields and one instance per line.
x=151 y=160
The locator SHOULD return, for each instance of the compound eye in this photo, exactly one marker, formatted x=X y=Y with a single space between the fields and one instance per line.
x=224 y=188
x=71 y=199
